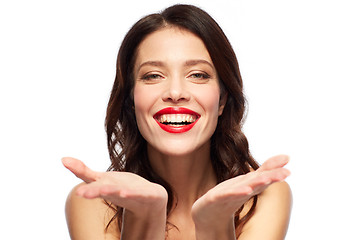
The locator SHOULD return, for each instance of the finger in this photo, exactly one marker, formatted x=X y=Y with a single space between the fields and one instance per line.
x=244 y=190
x=109 y=193
x=96 y=189
x=274 y=162
x=87 y=191
x=269 y=177
x=80 y=169
x=90 y=190
x=112 y=190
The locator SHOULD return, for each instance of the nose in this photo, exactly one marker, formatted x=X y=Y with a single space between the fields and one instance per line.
x=176 y=91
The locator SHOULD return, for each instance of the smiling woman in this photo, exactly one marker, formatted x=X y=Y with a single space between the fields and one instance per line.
x=174 y=69
x=181 y=166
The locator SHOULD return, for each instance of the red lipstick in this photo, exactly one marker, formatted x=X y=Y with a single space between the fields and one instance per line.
x=176 y=110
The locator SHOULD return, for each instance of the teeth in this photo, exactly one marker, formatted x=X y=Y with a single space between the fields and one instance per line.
x=176 y=118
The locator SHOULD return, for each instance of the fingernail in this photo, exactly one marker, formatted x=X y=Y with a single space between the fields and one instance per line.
x=285 y=158
x=65 y=160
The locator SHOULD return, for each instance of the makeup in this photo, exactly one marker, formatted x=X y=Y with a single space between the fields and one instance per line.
x=176 y=119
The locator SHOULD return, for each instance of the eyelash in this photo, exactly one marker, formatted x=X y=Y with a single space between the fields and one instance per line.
x=199 y=76
x=150 y=77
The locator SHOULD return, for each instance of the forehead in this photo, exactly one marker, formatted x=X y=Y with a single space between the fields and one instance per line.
x=172 y=44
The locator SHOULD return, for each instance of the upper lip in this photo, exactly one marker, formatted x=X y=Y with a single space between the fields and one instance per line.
x=175 y=110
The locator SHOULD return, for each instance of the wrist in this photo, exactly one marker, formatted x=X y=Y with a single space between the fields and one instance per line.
x=217 y=229
x=148 y=226
x=146 y=221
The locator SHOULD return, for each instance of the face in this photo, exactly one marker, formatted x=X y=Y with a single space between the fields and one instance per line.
x=176 y=93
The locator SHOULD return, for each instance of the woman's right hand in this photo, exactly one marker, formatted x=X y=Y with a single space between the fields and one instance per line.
x=141 y=199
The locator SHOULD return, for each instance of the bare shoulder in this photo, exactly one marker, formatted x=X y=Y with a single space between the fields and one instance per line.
x=272 y=214
x=87 y=218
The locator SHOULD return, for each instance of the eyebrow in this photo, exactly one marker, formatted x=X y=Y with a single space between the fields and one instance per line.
x=192 y=62
x=198 y=61
x=152 y=63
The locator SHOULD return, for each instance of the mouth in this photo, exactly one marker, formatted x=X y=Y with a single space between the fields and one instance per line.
x=176 y=119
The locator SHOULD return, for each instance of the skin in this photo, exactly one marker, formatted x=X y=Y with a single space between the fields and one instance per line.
x=173 y=68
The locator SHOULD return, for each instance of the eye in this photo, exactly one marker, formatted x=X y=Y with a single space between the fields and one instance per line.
x=200 y=77
x=151 y=78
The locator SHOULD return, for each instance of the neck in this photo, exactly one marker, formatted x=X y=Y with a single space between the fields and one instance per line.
x=190 y=175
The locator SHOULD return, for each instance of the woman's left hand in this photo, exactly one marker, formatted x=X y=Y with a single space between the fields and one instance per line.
x=215 y=210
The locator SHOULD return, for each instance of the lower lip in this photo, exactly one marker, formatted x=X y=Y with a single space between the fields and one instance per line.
x=176 y=129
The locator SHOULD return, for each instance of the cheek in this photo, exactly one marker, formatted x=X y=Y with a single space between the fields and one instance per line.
x=139 y=97
x=209 y=98
x=144 y=100
x=144 y=97
x=141 y=102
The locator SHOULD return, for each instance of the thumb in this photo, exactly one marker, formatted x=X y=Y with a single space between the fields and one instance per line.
x=278 y=161
x=80 y=170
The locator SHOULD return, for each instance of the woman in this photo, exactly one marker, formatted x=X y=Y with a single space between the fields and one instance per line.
x=181 y=166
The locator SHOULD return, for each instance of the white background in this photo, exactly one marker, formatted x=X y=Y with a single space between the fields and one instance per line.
x=300 y=64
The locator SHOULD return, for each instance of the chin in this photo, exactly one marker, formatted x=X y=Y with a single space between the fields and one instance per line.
x=179 y=148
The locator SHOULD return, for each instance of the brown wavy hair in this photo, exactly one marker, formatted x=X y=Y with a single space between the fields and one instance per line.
x=230 y=153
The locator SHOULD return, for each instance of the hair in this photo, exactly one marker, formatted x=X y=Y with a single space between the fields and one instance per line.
x=230 y=155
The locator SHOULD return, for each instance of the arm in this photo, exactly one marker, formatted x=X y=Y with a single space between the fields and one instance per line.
x=213 y=213
x=84 y=214
x=272 y=214
x=144 y=203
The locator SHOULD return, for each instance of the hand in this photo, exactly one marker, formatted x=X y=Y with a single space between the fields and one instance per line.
x=124 y=189
x=220 y=203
